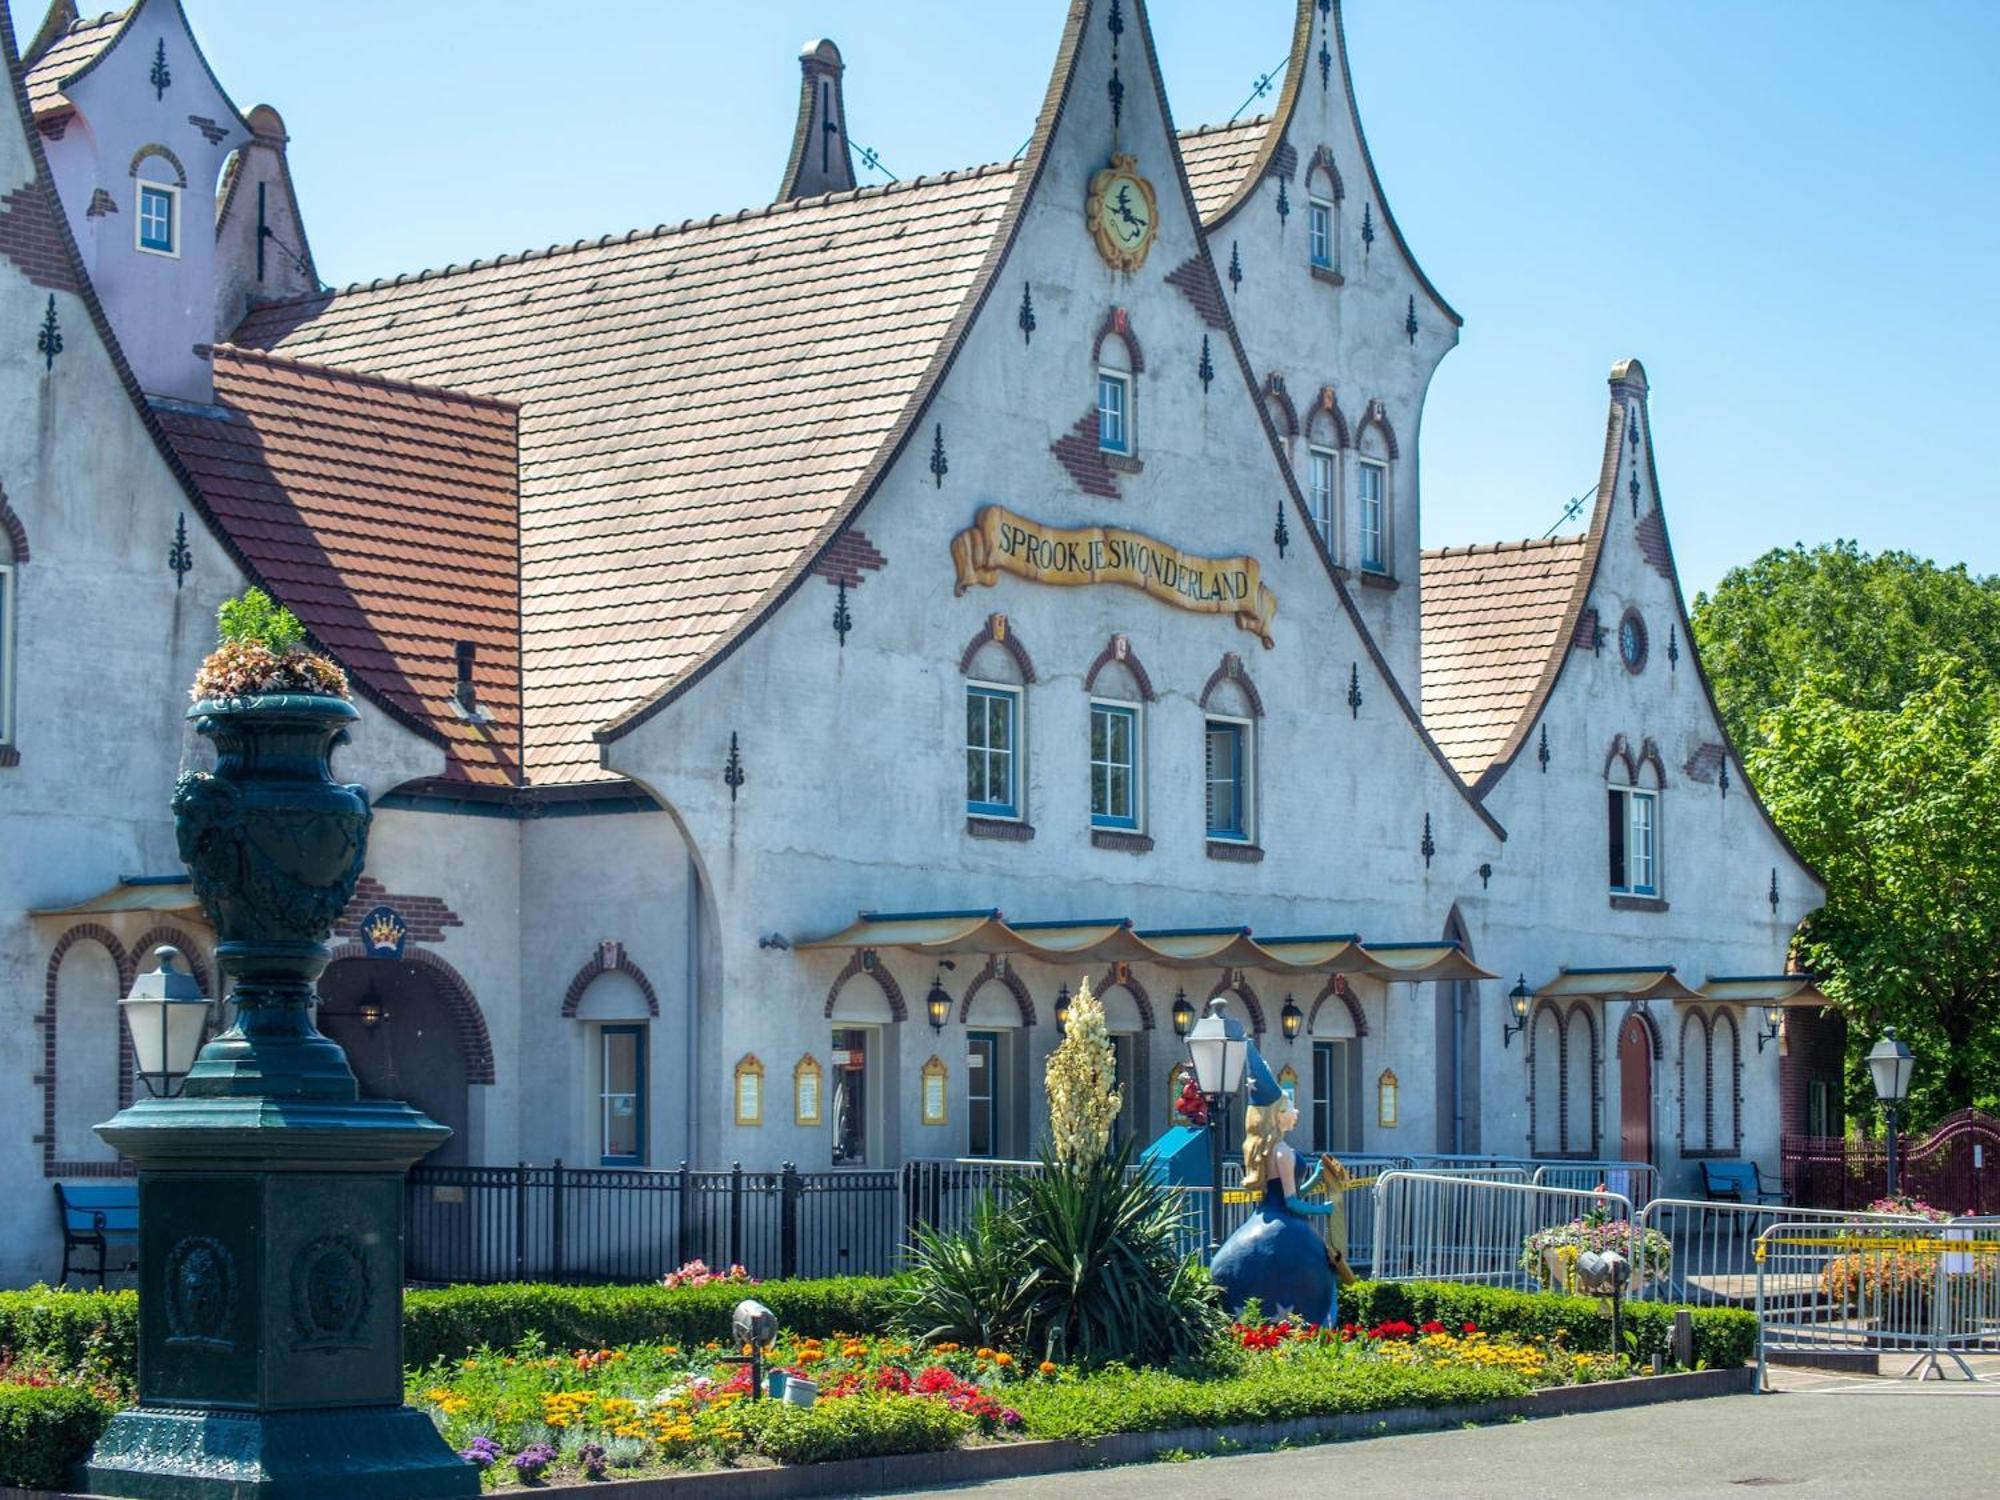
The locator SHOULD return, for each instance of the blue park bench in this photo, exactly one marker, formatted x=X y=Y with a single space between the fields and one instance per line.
x=95 y=1217
x=1736 y=1182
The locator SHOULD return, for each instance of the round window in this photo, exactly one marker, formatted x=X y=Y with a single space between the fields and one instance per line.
x=1632 y=641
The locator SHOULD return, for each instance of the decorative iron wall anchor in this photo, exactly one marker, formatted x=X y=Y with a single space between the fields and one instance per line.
x=733 y=774
x=939 y=466
x=49 y=343
x=180 y=561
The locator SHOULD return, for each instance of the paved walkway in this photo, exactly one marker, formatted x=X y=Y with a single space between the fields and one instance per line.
x=1824 y=1437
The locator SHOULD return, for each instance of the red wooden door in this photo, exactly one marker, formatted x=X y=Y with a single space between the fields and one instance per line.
x=1635 y=1091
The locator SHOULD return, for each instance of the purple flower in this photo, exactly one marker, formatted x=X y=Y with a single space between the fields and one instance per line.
x=1012 y=1420
x=591 y=1456
x=483 y=1454
x=533 y=1459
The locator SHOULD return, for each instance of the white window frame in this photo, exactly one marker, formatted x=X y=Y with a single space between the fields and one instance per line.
x=1014 y=811
x=1363 y=467
x=1246 y=779
x=10 y=581
x=642 y=1036
x=1634 y=798
x=1136 y=713
x=143 y=186
x=1325 y=502
x=1321 y=229
x=1122 y=379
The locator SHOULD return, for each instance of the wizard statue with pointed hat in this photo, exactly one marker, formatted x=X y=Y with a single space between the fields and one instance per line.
x=1276 y=1256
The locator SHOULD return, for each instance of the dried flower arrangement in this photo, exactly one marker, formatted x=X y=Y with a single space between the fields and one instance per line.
x=263 y=650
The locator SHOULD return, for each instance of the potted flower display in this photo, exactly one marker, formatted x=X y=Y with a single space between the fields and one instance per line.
x=1550 y=1255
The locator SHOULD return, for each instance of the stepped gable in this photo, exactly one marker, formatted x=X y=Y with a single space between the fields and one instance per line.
x=1491 y=615
x=384 y=515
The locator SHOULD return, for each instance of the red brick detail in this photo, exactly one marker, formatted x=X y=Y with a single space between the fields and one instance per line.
x=208 y=128
x=1284 y=162
x=1077 y=451
x=1326 y=408
x=30 y=237
x=1118 y=324
x=998 y=629
x=1643 y=1012
x=101 y=203
x=475 y=1044
x=1240 y=988
x=108 y=941
x=847 y=557
x=1705 y=765
x=17 y=534
x=1132 y=987
x=55 y=126
x=1377 y=416
x=1008 y=981
x=156 y=149
x=1652 y=534
x=9 y=757
x=427 y=916
x=1322 y=161
x=1231 y=670
x=1336 y=989
x=1284 y=415
x=1195 y=280
x=617 y=963
x=1131 y=662
x=1648 y=755
x=884 y=980
x=1584 y=637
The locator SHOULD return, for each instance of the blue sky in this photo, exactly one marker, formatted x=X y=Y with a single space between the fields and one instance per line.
x=1789 y=210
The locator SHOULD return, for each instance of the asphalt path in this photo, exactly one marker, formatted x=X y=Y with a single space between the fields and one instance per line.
x=1882 y=1440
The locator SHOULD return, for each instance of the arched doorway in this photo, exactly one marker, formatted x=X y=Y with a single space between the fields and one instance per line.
x=402 y=1039
x=1635 y=1090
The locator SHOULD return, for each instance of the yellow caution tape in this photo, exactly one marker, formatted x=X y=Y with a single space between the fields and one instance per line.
x=1244 y=1195
x=1904 y=1245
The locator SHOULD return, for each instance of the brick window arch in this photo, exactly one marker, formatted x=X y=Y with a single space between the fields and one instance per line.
x=610 y=958
x=1007 y=980
x=119 y=1057
x=475 y=1044
x=867 y=964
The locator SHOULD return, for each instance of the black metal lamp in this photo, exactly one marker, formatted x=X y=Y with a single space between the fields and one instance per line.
x=937 y=1004
x=1892 y=1065
x=1183 y=1014
x=1062 y=1007
x=1774 y=1020
x=371 y=1010
x=166 y=1013
x=1518 y=997
x=1291 y=1019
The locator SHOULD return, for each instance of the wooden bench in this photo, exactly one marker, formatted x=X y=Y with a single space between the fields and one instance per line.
x=96 y=1217
x=1736 y=1182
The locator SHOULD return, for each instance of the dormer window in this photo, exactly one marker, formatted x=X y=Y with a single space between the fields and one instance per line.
x=1114 y=411
x=158 y=219
x=1319 y=232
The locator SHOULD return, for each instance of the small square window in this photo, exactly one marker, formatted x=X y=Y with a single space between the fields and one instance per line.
x=1373 y=481
x=992 y=754
x=158 y=209
x=1228 y=773
x=1114 y=766
x=1319 y=232
x=1114 y=411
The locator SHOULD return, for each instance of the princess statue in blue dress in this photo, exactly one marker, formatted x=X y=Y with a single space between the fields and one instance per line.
x=1276 y=1256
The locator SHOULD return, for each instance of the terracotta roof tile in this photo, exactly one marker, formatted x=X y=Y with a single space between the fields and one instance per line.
x=695 y=403
x=1491 y=615
x=75 y=50
x=1217 y=157
x=384 y=516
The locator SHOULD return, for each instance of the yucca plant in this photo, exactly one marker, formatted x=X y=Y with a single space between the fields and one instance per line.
x=967 y=1288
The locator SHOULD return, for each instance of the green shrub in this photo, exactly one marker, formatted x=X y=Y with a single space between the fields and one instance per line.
x=452 y=1322
x=45 y=1432
x=1081 y=1266
x=863 y=1426
x=1271 y=1391
x=96 y=1332
x=1724 y=1337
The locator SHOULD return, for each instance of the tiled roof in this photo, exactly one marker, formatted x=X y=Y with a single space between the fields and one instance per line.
x=695 y=404
x=1218 y=157
x=383 y=515
x=75 y=50
x=1491 y=615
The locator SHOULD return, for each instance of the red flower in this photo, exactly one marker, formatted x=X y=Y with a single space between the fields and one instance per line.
x=1434 y=1326
x=1396 y=1328
x=1470 y=1328
x=893 y=1379
x=936 y=1380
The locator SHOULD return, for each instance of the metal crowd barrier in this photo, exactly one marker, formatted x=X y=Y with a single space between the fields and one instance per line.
x=1637 y=1180
x=1866 y=1287
x=1430 y=1226
x=1714 y=1260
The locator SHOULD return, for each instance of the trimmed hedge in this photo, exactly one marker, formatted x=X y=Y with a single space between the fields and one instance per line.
x=451 y=1323
x=71 y=1329
x=860 y=1426
x=45 y=1432
x=1724 y=1337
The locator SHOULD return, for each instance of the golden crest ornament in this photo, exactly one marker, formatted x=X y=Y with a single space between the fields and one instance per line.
x=1123 y=213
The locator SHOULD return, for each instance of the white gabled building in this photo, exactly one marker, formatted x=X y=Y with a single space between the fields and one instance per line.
x=768 y=624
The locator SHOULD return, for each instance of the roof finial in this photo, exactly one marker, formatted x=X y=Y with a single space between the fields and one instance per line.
x=821 y=161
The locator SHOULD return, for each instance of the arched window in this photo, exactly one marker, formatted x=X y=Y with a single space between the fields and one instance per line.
x=616 y=1037
x=1231 y=708
x=158 y=180
x=1117 y=746
x=1633 y=821
x=87 y=1053
x=1323 y=195
x=1118 y=362
x=1695 y=1114
x=997 y=671
x=1711 y=1099
x=1373 y=495
x=1580 y=1083
x=1545 y=1081
x=1562 y=1081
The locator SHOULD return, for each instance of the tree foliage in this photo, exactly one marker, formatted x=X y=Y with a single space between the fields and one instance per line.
x=1864 y=693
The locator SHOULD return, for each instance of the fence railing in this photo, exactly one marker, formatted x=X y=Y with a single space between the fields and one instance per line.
x=1433 y=1227
x=1862 y=1287
x=1713 y=1260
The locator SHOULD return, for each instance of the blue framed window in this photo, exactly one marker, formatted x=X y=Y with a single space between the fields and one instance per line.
x=1114 y=765
x=157 y=211
x=992 y=752
x=622 y=1096
x=1635 y=842
x=1323 y=492
x=1228 y=780
x=1373 y=482
x=1319 y=232
x=1114 y=411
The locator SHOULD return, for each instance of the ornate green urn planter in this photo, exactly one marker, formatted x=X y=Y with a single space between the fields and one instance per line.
x=271 y=1194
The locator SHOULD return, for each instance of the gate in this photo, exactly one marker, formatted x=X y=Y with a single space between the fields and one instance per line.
x=1865 y=1287
x=1956 y=1167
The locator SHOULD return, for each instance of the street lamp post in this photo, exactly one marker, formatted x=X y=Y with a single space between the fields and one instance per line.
x=1892 y=1065
x=165 y=1013
x=1218 y=1048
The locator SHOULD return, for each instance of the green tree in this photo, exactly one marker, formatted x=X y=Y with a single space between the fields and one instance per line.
x=1898 y=807
x=1872 y=618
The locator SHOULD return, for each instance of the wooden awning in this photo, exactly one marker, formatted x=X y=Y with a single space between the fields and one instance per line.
x=173 y=894
x=1787 y=991
x=1653 y=982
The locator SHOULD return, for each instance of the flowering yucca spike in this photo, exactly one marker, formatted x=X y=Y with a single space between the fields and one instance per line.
x=1083 y=1103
